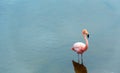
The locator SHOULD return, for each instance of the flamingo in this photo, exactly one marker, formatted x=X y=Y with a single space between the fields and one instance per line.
x=80 y=47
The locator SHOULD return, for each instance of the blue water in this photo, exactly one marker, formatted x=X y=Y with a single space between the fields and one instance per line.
x=36 y=35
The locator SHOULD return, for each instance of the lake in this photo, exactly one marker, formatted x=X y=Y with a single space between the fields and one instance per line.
x=36 y=36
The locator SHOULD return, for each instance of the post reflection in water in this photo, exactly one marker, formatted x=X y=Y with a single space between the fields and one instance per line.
x=79 y=68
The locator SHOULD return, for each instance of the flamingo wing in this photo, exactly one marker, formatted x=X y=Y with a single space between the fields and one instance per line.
x=78 y=47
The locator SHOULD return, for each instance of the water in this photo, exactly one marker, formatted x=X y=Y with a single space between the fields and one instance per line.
x=36 y=35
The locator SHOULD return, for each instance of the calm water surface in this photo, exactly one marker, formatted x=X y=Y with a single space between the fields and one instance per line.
x=36 y=35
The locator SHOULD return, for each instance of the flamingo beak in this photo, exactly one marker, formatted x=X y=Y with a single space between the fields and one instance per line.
x=88 y=35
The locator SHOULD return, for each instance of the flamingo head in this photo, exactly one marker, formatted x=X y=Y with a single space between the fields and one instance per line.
x=85 y=32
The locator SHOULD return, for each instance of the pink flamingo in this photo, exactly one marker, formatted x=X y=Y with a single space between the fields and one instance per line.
x=80 y=47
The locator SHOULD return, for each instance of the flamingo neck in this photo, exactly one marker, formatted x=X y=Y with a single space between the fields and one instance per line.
x=86 y=40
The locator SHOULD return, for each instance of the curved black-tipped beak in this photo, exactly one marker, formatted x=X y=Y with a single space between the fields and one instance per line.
x=88 y=36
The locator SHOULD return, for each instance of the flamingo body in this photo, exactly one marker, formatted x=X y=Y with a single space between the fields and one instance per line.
x=79 y=47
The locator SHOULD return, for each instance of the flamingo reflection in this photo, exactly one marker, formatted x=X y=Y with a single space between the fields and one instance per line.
x=79 y=68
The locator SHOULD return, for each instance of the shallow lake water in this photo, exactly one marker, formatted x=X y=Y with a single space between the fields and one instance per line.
x=36 y=36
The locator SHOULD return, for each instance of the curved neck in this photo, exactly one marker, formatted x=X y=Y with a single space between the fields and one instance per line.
x=86 y=40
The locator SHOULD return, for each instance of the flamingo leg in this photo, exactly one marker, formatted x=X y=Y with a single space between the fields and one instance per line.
x=81 y=58
x=78 y=58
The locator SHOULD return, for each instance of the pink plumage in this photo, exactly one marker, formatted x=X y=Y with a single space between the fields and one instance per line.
x=78 y=47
